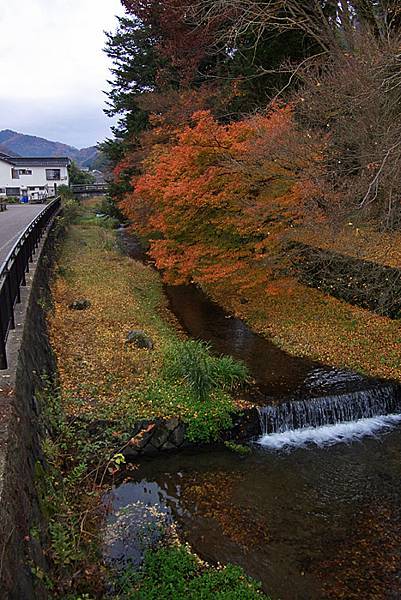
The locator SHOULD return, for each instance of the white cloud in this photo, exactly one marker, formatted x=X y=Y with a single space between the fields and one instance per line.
x=53 y=69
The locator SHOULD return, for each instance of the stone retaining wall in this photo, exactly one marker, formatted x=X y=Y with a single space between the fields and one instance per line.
x=155 y=436
x=360 y=282
x=29 y=357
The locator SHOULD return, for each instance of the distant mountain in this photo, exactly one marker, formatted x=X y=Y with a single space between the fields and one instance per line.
x=20 y=144
x=4 y=150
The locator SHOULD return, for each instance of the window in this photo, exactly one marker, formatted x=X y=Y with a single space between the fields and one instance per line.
x=25 y=171
x=14 y=173
x=53 y=175
x=12 y=191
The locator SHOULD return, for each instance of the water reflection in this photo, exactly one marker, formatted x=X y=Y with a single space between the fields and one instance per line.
x=321 y=523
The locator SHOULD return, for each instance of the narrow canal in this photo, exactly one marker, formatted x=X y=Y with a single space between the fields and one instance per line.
x=311 y=518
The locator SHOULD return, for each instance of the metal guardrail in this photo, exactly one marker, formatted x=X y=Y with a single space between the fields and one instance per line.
x=92 y=188
x=3 y=204
x=14 y=268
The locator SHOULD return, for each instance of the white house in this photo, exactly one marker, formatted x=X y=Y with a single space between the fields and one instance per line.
x=36 y=178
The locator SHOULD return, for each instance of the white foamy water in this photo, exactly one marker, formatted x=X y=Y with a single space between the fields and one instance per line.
x=328 y=435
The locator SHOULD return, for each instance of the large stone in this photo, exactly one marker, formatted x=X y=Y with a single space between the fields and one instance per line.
x=130 y=453
x=160 y=435
x=168 y=446
x=172 y=423
x=150 y=450
x=79 y=305
x=139 y=339
x=177 y=436
x=141 y=439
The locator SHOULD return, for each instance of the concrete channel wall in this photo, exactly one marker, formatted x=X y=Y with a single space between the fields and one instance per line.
x=363 y=283
x=30 y=357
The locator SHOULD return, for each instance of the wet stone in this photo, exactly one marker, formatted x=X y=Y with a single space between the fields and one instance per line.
x=177 y=436
x=139 y=339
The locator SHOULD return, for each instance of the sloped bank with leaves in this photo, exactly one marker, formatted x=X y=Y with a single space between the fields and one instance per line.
x=105 y=373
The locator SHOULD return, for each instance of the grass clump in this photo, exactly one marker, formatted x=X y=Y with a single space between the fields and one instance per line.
x=201 y=384
x=174 y=573
x=191 y=362
x=100 y=220
x=205 y=419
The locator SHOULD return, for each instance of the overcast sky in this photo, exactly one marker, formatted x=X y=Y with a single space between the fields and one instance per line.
x=53 y=70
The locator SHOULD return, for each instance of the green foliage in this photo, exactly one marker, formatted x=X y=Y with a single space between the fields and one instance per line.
x=192 y=363
x=66 y=490
x=110 y=208
x=71 y=210
x=196 y=385
x=108 y=222
x=77 y=176
x=207 y=419
x=65 y=192
x=174 y=573
x=238 y=448
x=12 y=200
x=103 y=221
x=65 y=542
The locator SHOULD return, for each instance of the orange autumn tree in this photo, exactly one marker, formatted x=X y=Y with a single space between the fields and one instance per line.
x=219 y=202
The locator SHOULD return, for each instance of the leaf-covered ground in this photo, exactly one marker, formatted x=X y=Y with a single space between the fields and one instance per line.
x=104 y=377
x=98 y=369
x=355 y=240
x=306 y=322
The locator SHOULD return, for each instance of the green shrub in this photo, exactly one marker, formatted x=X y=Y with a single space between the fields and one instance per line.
x=174 y=573
x=228 y=373
x=207 y=418
x=110 y=208
x=99 y=221
x=65 y=192
x=71 y=209
x=192 y=363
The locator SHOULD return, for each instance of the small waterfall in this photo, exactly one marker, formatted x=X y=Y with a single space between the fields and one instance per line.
x=330 y=419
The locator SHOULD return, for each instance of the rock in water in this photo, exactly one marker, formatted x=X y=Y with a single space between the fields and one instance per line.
x=139 y=339
x=79 y=305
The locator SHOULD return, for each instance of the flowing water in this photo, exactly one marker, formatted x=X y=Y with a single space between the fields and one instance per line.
x=314 y=511
x=310 y=524
x=330 y=419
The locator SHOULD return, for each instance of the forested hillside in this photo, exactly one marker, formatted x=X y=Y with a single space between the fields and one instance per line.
x=29 y=145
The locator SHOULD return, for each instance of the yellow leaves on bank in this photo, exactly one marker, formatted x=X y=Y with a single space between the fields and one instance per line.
x=96 y=367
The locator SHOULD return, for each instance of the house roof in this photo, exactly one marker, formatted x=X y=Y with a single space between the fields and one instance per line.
x=5 y=158
x=35 y=161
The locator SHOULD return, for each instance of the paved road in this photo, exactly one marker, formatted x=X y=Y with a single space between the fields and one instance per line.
x=13 y=222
